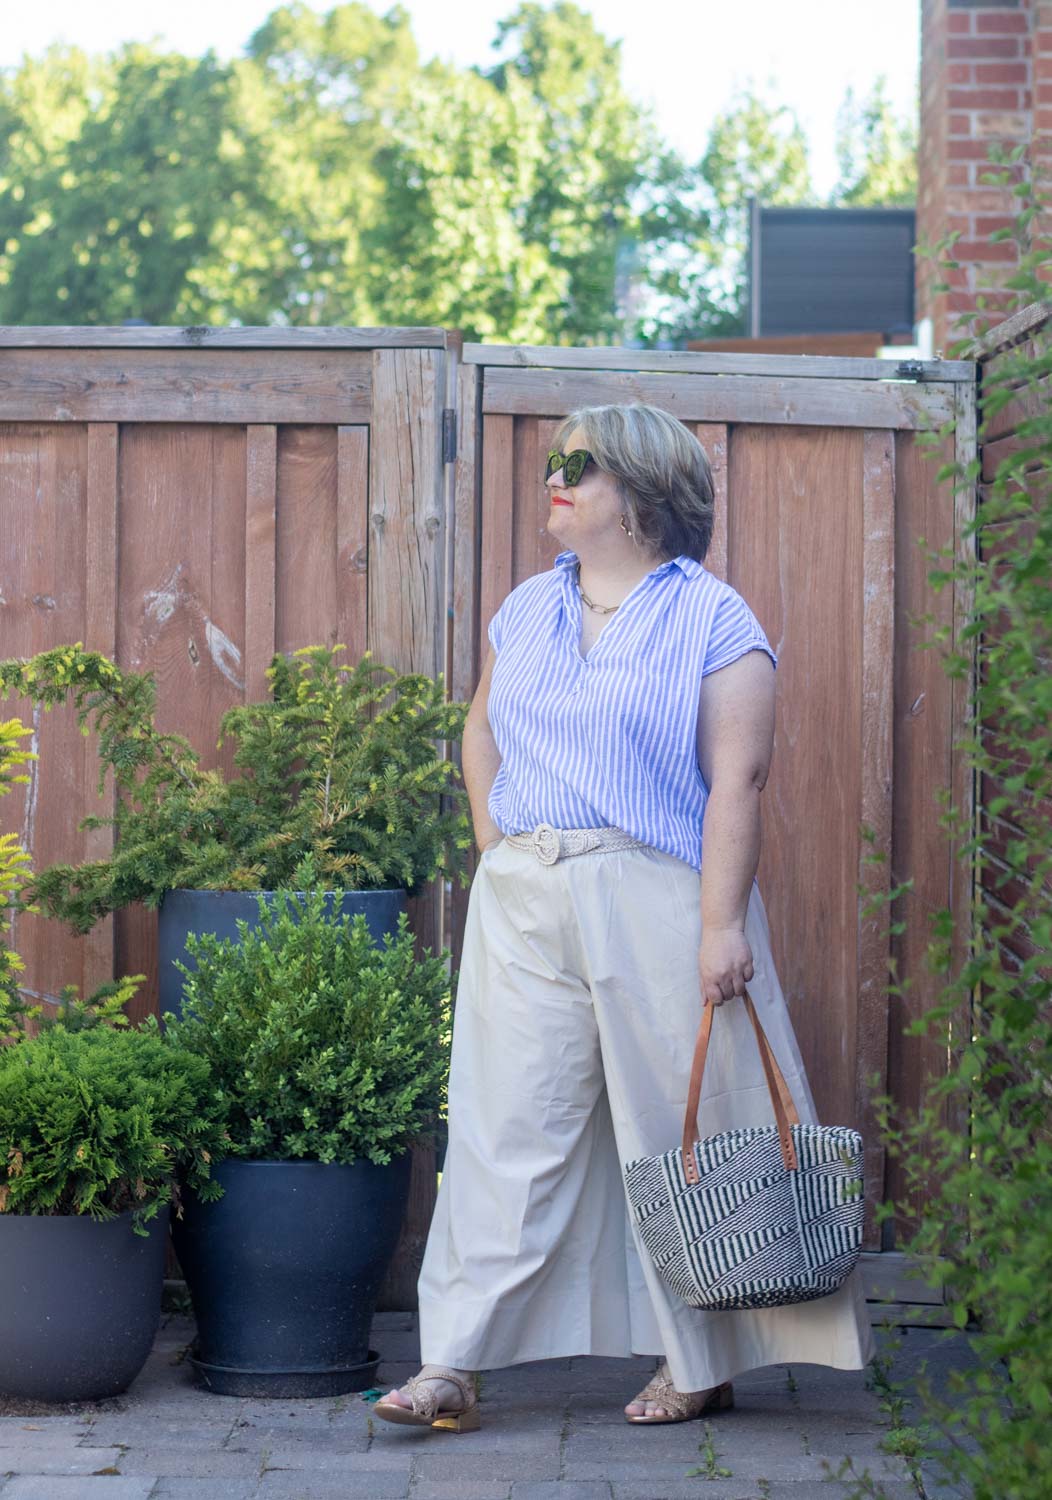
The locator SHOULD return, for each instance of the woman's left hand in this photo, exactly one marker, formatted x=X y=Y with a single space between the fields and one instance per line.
x=725 y=964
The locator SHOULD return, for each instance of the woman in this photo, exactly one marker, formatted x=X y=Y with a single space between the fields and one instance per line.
x=626 y=701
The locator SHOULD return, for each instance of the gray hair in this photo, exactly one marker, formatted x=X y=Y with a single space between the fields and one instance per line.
x=662 y=471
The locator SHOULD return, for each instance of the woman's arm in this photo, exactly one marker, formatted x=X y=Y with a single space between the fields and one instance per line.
x=735 y=741
x=480 y=759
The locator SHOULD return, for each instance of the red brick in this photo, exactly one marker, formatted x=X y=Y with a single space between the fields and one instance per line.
x=1008 y=22
x=958 y=175
x=1000 y=72
x=958 y=150
x=986 y=224
x=1043 y=119
x=961 y=72
x=960 y=22
x=995 y=46
x=983 y=98
x=978 y=250
x=959 y=124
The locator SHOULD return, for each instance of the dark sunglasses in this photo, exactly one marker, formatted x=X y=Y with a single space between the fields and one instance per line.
x=572 y=464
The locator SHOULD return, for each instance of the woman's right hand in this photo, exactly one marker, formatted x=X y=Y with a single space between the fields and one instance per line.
x=492 y=844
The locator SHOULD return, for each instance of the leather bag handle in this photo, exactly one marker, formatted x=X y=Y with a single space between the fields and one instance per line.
x=785 y=1114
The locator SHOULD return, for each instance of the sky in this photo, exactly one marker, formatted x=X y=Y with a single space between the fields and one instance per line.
x=685 y=58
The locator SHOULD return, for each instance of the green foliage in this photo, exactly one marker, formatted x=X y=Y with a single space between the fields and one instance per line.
x=327 y=765
x=320 y=1044
x=14 y=863
x=985 y=1198
x=328 y=176
x=96 y=1118
x=876 y=152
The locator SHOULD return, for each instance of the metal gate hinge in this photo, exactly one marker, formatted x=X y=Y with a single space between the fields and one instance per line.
x=910 y=369
x=449 y=435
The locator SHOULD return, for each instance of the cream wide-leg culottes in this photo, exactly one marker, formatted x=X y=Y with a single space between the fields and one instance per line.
x=577 y=1008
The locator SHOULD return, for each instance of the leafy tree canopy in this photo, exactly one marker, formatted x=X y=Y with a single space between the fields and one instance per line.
x=329 y=176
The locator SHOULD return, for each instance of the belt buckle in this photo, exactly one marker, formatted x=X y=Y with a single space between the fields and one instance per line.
x=547 y=844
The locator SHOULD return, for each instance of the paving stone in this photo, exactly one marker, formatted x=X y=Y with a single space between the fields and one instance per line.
x=188 y=1461
x=43 y=1432
x=562 y=1489
x=285 y=1485
x=203 y=1489
x=461 y=1489
x=57 y=1487
x=465 y=1465
x=26 y=1458
x=695 y=1489
x=163 y=1431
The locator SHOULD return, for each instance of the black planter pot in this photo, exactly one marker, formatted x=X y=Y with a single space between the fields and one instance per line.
x=219 y=912
x=82 y=1301
x=284 y=1271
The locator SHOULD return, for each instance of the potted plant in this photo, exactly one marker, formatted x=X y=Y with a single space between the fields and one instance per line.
x=95 y=1118
x=340 y=762
x=328 y=1056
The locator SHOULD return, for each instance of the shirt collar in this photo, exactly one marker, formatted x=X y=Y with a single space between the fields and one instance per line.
x=688 y=565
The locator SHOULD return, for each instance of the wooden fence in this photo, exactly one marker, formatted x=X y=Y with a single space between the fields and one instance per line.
x=191 y=500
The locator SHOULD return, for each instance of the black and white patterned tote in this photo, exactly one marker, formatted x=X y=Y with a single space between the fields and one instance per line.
x=758 y=1217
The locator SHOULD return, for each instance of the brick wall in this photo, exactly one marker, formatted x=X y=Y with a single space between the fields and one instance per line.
x=986 y=75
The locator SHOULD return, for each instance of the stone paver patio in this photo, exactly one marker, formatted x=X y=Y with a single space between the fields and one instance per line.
x=551 y=1431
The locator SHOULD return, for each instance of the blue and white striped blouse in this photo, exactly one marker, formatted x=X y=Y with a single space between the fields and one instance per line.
x=610 y=738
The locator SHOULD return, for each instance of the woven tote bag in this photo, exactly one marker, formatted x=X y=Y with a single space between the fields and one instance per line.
x=758 y=1217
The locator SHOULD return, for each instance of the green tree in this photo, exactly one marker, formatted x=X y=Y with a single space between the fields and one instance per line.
x=114 y=178
x=599 y=148
x=698 y=278
x=876 y=151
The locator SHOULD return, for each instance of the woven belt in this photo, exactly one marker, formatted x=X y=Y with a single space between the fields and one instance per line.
x=550 y=844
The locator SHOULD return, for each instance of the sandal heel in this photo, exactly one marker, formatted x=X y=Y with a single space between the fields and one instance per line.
x=722 y=1398
x=461 y=1421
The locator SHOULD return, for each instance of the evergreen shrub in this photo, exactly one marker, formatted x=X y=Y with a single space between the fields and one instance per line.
x=338 y=763
x=98 y=1117
x=320 y=1044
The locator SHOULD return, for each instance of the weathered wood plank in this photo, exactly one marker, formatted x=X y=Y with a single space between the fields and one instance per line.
x=795 y=525
x=769 y=399
x=713 y=438
x=100 y=634
x=406 y=621
x=464 y=599
x=407 y=530
x=877 y=706
x=812 y=366
x=203 y=336
x=498 y=478
x=307 y=583
x=182 y=615
x=143 y=385
x=261 y=465
x=352 y=540
x=1027 y=321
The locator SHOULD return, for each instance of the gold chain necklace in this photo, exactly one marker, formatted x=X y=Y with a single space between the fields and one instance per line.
x=600 y=609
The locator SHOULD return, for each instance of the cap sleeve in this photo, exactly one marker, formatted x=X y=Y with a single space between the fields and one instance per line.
x=496 y=626
x=735 y=630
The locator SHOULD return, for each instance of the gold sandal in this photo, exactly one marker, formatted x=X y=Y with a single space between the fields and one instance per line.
x=425 y=1411
x=680 y=1406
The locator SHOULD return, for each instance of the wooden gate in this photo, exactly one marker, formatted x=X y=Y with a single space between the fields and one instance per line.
x=821 y=493
x=191 y=500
